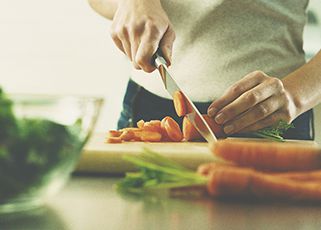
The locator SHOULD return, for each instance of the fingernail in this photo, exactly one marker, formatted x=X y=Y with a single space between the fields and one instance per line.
x=220 y=118
x=228 y=129
x=211 y=111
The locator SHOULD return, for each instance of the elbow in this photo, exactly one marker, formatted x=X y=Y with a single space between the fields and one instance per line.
x=100 y=7
x=95 y=5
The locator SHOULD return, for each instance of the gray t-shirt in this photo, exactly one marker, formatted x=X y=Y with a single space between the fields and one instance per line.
x=220 y=41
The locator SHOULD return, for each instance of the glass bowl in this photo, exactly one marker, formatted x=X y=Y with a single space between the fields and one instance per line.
x=39 y=149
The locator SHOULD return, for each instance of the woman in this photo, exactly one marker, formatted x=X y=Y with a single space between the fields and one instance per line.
x=242 y=62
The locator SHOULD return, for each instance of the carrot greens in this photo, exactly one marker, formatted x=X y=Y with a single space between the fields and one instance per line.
x=274 y=132
x=156 y=173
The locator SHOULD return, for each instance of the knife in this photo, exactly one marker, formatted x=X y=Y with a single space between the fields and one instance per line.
x=193 y=115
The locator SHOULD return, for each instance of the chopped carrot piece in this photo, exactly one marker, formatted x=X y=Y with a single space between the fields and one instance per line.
x=140 y=124
x=216 y=128
x=130 y=129
x=191 y=134
x=179 y=103
x=114 y=133
x=127 y=135
x=149 y=136
x=153 y=126
x=172 y=129
x=114 y=140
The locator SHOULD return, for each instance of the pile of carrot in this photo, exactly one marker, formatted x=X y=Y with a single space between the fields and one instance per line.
x=264 y=170
x=166 y=130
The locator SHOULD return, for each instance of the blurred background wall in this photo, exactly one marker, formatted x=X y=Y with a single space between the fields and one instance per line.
x=63 y=47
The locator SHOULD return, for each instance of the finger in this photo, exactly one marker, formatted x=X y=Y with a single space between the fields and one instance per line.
x=266 y=122
x=248 y=82
x=166 y=44
x=135 y=39
x=118 y=43
x=134 y=47
x=252 y=116
x=147 y=47
x=124 y=37
x=247 y=100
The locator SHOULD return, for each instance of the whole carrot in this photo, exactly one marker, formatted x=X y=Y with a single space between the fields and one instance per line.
x=309 y=176
x=229 y=181
x=271 y=156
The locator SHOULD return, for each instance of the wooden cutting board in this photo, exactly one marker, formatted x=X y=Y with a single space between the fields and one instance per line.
x=100 y=157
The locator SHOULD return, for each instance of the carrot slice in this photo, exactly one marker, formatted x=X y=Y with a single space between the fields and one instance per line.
x=114 y=133
x=127 y=135
x=189 y=131
x=216 y=128
x=191 y=134
x=272 y=156
x=114 y=140
x=140 y=124
x=149 y=136
x=153 y=126
x=179 y=103
x=172 y=129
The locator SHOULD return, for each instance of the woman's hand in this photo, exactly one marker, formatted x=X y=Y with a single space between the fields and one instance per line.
x=255 y=102
x=139 y=27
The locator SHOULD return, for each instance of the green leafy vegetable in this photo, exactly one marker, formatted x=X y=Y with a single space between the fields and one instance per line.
x=32 y=150
x=157 y=173
x=274 y=132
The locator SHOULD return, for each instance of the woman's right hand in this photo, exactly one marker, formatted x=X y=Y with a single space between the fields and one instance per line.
x=139 y=27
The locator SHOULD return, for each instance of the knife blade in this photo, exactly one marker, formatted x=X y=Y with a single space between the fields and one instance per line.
x=193 y=115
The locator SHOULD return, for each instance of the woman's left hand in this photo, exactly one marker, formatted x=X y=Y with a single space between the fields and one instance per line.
x=255 y=102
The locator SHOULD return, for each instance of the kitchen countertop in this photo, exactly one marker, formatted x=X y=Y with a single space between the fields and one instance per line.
x=89 y=202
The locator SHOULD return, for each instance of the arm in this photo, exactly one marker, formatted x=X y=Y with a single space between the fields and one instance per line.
x=305 y=84
x=139 y=28
x=258 y=100
x=105 y=8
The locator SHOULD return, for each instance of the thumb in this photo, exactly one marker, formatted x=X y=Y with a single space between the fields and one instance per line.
x=166 y=44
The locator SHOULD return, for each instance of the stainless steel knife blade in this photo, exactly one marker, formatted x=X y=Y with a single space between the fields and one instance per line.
x=193 y=114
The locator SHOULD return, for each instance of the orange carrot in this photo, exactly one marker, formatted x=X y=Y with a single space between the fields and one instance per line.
x=130 y=129
x=140 y=124
x=113 y=140
x=179 y=103
x=305 y=176
x=229 y=181
x=172 y=129
x=217 y=129
x=189 y=131
x=271 y=156
x=114 y=133
x=127 y=135
x=149 y=136
x=309 y=176
x=153 y=126
x=191 y=134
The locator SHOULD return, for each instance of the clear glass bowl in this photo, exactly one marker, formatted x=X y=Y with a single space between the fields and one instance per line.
x=52 y=131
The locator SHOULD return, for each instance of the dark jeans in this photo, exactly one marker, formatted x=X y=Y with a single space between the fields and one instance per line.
x=141 y=104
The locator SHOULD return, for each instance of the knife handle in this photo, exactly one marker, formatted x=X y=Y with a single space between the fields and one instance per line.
x=158 y=59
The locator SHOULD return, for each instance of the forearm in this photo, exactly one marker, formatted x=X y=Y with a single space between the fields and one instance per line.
x=105 y=8
x=304 y=84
